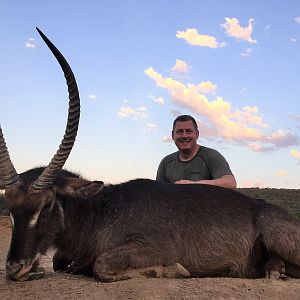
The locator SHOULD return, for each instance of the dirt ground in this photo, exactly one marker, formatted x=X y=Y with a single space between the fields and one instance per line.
x=63 y=286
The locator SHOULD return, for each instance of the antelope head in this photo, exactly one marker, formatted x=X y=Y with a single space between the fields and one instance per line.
x=35 y=215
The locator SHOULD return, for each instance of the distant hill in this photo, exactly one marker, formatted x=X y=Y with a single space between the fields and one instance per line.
x=286 y=198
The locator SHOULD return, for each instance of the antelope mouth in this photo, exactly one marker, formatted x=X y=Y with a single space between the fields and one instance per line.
x=32 y=275
x=25 y=272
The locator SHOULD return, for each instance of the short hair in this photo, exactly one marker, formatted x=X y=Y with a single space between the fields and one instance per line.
x=183 y=118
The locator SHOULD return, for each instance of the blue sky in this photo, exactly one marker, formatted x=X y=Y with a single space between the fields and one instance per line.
x=233 y=65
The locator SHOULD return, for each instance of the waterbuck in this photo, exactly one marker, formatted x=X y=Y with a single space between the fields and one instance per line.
x=142 y=227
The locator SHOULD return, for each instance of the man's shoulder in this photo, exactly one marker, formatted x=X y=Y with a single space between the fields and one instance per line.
x=203 y=151
x=210 y=155
x=170 y=157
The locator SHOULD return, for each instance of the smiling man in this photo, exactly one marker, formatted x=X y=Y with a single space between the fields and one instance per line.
x=193 y=163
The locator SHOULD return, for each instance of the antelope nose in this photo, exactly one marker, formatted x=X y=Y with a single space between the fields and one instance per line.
x=12 y=269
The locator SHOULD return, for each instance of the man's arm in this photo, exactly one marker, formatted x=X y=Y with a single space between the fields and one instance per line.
x=227 y=181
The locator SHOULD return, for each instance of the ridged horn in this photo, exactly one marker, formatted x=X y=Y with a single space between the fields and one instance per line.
x=8 y=174
x=48 y=176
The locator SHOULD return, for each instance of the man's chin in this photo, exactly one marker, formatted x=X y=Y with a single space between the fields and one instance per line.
x=185 y=147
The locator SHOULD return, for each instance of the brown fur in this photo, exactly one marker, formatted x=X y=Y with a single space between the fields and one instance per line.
x=109 y=231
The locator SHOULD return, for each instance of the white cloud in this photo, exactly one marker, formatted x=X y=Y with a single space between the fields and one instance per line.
x=245 y=126
x=204 y=87
x=151 y=126
x=258 y=147
x=126 y=111
x=159 y=100
x=30 y=43
x=234 y=29
x=142 y=108
x=267 y=28
x=92 y=97
x=295 y=153
x=247 y=52
x=282 y=139
x=280 y=173
x=293 y=40
x=181 y=67
x=297 y=20
x=192 y=37
x=131 y=113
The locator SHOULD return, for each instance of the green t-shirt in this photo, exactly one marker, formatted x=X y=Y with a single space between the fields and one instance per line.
x=206 y=164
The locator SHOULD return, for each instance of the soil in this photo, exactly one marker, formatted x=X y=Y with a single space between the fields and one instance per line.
x=64 y=286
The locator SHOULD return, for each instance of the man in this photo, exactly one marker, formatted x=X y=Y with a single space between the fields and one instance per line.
x=193 y=163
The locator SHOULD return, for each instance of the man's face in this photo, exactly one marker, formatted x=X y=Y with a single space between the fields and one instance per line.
x=185 y=135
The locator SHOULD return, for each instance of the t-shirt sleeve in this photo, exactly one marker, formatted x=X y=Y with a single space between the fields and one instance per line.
x=160 y=175
x=218 y=165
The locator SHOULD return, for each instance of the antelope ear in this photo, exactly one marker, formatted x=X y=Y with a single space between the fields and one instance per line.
x=79 y=187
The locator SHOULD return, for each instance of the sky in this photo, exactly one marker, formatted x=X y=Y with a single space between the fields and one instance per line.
x=234 y=65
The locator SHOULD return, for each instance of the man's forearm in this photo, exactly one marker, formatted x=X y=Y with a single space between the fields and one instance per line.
x=227 y=181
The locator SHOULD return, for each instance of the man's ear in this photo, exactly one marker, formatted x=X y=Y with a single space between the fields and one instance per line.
x=79 y=187
x=173 y=135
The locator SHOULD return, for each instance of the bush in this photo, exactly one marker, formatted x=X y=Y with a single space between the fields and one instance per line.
x=288 y=199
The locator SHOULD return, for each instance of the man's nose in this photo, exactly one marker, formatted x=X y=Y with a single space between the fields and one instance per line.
x=184 y=134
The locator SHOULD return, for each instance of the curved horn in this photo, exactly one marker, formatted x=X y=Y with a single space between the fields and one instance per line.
x=8 y=174
x=48 y=176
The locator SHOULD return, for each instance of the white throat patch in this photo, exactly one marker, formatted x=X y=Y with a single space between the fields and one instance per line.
x=12 y=219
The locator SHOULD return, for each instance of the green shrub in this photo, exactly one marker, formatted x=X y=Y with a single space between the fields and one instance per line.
x=288 y=199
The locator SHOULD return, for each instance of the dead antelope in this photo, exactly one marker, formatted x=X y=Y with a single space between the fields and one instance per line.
x=157 y=230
